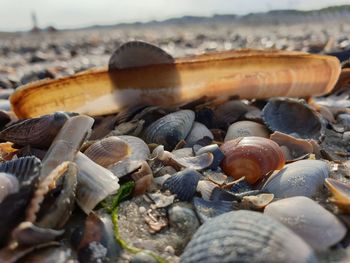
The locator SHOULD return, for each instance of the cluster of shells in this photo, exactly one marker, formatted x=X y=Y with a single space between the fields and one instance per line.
x=214 y=181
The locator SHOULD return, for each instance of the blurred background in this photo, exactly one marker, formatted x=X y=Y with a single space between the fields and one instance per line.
x=51 y=38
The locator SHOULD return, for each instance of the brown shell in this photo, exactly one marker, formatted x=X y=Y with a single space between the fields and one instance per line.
x=108 y=151
x=251 y=157
x=340 y=194
x=246 y=73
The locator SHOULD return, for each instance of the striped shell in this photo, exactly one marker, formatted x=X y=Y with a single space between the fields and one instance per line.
x=183 y=184
x=251 y=157
x=170 y=129
x=108 y=151
x=245 y=236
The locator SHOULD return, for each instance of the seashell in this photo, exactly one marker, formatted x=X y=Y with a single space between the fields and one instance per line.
x=128 y=55
x=103 y=126
x=251 y=157
x=183 y=152
x=66 y=144
x=95 y=183
x=7 y=151
x=37 y=132
x=53 y=200
x=28 y=151
x=143 y=178
x=5 y=118
x=183 y=184
x=24 y=168
x=257 y=202
x=125 y=168
x=139 y=149
x=340 y=194
x=293 y=117
x=246 y=129
x=170 y=129
x=211 y=192
x=230 y=112
x=28 y=234
x=217 y=154
x=242 y=236
x=198 y=132
x=160 y=200
x=108 y=151
x=217 y=177
x=297 y=148
x=208 y=209
x=8 y=184
x=304 y=178
x=240 y=186
x=220 y=74
x=317 y=226
x=98 y=234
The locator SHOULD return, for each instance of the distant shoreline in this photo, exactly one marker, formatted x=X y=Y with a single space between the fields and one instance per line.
x=289 y=16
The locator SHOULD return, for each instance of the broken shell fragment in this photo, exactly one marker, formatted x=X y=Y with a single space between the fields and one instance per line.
x=301 y=178
x=170 y=129
x=251 y=157
x=318 y=227
x=53 y=200
x=293 y=117
x=229 y=73
x=246 y=129
x=257 y=201
x=241 y=236
x=108 y=151
x=95 y=183
x=340 y=194
x=296 y=148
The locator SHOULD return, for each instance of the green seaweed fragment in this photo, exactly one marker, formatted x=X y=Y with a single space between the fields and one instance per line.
x=111 y=205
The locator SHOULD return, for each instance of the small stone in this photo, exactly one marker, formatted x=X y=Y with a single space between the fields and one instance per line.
x=142 y=210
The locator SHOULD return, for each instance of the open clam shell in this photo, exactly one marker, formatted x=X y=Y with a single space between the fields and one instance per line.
x=293 y=117
x=245 y=236
x=246 y=73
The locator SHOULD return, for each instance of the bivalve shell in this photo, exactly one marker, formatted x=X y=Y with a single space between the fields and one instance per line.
x=318 y=227
x=301 y=178
x=246 y=236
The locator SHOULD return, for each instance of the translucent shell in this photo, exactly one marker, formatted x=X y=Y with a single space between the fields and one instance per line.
x=251 y=157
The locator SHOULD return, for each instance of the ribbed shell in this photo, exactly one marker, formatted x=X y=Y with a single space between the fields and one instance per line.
x=198 y=131
x=37 y=132
x=108 y=151
x=183 y=184
x=209 y=209
x=170 y=129
x=136 y=54
x=292 y=117
x=8 y=184
x=24 y=168
x=301 y=178
x=317 y=226
x=245 y=236
x=252 y=157
x=139 y=149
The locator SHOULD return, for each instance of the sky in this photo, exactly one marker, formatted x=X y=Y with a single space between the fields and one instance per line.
x=16 y=14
